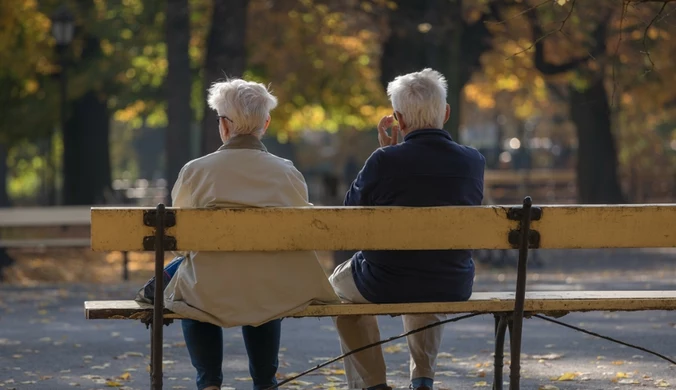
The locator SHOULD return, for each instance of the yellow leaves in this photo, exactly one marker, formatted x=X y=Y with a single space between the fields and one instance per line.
x=481 y=384
x=508 y=83
x=479 y=96
x=566 y=376
x=395 y=348
x=106 y=47
x=113 y=384
x=125 y=377
x=31 y=86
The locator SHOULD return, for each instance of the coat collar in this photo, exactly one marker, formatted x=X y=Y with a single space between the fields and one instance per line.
x=423 y=132
x=244 y=141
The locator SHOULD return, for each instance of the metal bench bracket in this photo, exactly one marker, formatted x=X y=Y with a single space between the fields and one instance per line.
x=514 y=237
x=150 y=219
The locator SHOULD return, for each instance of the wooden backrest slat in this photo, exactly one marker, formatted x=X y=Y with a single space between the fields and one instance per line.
x=397 y=228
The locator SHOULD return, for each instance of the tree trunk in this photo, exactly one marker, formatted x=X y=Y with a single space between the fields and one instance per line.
x=597 y=180
x=4 y=175
x=453 y=67
x=452 y=46
x=86 y=155
x=178 y=85
x=225 y=57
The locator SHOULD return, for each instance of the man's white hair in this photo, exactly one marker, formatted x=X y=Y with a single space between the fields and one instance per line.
x=420 y=97
x=246 y=103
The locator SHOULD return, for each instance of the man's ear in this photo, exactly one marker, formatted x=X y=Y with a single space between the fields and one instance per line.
x=448 y=113
x=267 y=122
x=402 y=121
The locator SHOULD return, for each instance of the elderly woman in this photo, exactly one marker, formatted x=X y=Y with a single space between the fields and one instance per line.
x=249 y=289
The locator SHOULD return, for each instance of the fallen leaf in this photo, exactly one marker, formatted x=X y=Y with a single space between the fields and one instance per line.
x=126 y=376
x=549 y=356
x=481 y=384
x=567 y=376
x=548 y=387
x=662 y=383
x=113 y=384
x=628 y=382
x=394 y=348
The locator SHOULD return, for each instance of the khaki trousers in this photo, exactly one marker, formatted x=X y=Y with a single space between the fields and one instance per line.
x=367 y=368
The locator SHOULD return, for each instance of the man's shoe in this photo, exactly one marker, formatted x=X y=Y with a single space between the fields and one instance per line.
x=423 y=388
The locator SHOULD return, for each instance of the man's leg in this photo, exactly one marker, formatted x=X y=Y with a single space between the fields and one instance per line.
x=205 y=346
x=423 y=347
x=365 y=369
x=262 y=347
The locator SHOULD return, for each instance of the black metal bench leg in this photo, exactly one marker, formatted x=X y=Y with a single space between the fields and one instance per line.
x=519 y=300
x=125 y=266
x=500 y=330
x=158 y=307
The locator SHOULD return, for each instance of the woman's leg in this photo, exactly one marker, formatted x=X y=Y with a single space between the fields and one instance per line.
x=205 y=346
x=262 y=346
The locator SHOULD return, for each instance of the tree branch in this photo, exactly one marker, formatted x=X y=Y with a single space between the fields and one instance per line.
x=548 y=68
x=645 y=34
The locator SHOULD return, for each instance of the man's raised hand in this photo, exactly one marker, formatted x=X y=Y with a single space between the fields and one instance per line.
x=383 y=138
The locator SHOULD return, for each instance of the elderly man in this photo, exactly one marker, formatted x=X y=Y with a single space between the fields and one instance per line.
x=249 y=289
x=427 y=169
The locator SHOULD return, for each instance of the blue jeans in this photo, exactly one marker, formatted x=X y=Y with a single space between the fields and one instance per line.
x=205 y=344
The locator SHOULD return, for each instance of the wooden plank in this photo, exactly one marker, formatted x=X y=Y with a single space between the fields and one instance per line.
x=605 y=226
x=480 y=302
x=46 y=243
x=311 y=228
x=534 y=176
x=45 y=216
x=344 y=228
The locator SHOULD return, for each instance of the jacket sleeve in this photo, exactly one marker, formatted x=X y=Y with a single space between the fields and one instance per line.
x=362 y=190
x=181 y=194
x=300 y=187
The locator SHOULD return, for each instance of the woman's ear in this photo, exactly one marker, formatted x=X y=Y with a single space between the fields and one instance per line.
x=225 y=129
x=267 y=122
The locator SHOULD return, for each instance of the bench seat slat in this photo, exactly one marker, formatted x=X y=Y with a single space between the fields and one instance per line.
x=481 y=302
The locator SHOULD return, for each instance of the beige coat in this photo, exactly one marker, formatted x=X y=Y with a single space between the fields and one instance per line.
x=244 y=288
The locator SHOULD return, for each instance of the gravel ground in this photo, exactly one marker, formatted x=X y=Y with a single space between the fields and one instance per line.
x=45 y=342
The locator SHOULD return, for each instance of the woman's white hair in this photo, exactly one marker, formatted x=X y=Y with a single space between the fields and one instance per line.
x=246 y=103
x=420 y=97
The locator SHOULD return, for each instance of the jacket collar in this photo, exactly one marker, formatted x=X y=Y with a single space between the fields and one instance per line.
x=428 y=132
x=244 y=141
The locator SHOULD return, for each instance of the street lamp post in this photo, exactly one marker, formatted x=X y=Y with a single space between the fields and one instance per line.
x=63 y=27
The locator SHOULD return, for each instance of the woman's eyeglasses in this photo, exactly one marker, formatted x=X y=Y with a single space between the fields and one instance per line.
x=218 y=120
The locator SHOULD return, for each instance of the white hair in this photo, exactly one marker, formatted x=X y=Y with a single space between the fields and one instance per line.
x=246 y=103
x=420 y=97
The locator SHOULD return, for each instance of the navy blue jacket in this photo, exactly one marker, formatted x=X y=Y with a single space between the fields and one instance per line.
x=428 y=169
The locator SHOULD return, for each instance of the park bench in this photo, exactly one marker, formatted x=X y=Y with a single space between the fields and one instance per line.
x=44 y=227
x=396 y=228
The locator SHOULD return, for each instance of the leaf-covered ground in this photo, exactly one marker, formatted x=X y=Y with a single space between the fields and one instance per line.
x=45 y=342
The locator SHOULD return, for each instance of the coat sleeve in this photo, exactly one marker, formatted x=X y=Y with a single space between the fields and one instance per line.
x=362 y=190
x=297 y=180
x=181 y=194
